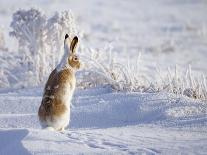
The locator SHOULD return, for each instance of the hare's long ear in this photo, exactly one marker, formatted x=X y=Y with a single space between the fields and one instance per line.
x=66 y=36
x=73 y=44
x=67 y=44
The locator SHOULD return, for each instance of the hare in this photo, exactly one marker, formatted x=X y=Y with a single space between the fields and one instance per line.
x=54 y=111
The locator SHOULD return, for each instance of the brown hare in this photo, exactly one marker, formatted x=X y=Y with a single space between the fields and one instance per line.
x=54 y=111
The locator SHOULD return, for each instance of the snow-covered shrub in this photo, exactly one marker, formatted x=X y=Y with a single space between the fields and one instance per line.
x=40 y=40
x=102 y=68
x=186 y=84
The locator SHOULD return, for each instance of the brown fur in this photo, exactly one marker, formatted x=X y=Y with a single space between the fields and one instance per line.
x=74 y=63
x=52 y=103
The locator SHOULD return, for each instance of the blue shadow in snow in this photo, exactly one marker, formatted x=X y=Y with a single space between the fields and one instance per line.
x=11 y=142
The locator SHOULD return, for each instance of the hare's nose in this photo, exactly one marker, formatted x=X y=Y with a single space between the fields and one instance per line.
x=66 y=36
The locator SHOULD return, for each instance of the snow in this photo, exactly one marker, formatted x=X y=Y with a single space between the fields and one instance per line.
x=127 y=140
x=104 y=121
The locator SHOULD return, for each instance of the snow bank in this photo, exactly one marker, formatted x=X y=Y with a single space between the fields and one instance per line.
x=127 y=140
x=105 y=122
x=103 y=108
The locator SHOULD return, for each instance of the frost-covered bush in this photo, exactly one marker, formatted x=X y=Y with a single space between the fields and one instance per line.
x=40 y=40
x=103 y=69
x=186 y=84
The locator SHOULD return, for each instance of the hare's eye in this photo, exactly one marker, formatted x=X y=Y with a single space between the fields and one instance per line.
x=75 y=58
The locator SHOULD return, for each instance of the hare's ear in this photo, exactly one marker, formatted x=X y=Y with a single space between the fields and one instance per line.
x=67 y=43
x=73 y=44
x=66 y=36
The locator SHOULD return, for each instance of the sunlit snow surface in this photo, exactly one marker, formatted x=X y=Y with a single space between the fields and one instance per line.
x=167 y=32
x=105 y=122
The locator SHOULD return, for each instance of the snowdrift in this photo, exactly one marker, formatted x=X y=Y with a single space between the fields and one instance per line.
x=105 y=122
x=103 y=108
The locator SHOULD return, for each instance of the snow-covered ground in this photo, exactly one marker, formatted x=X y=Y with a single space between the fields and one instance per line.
x=103 y=121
